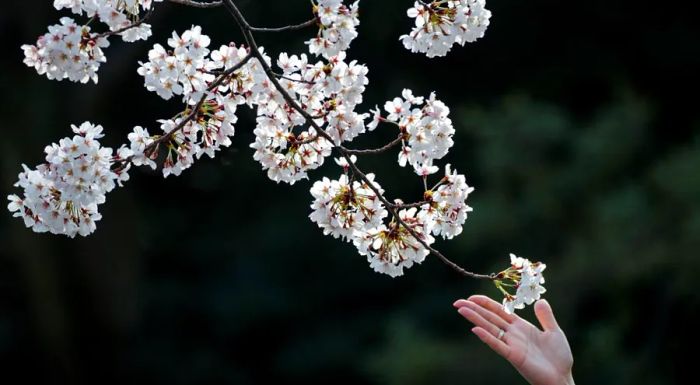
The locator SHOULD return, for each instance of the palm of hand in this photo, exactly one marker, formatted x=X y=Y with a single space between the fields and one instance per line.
x=542 y=357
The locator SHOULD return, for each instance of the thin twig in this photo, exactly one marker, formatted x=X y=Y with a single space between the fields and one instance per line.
x=196 y=4
x=281 y=76
x=287 y=28
x=375 y=150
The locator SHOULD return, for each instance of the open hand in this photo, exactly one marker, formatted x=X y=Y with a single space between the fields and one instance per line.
x=541 y=357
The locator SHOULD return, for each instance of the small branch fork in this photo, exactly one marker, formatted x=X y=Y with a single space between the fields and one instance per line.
x=247 y=31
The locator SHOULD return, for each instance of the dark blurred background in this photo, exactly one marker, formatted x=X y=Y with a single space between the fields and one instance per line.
x=576 y=123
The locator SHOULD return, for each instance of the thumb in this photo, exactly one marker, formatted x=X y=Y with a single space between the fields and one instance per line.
x=544 y=314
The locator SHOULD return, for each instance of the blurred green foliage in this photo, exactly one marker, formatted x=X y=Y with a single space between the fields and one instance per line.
x=571 y=124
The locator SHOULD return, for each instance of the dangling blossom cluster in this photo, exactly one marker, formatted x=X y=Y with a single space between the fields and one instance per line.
x=527 y=279
x=62 y=195
x=337 y=27
x=391 y=247
x=344 y=207
x=426 y=131
x=72 y=51
x=440 y=24
x=353 y=211
x=303 y=112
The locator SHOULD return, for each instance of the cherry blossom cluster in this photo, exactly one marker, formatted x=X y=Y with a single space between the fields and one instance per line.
x=71 y=51
x=62 y=195
x=440 y=24
x=183 y=70
x=329 y=92
x=184 y=140
x=426 y=131
x=527 y=279
x=207 y=124
x=446 y=210
x=118 y=15
x=344 y=207
x=337 y=27
x=351 y=210
x=392 y=247
x=67 y=51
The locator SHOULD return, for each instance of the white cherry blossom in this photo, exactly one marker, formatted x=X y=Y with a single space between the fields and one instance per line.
x=116 y=14
x=67 y=51
x=337 y=29
x=426 y=128
x=345 y=207
x=446 y=211
x=328 y=91
x=62 y=195
x=391 y=248
x=528 y=280
x=182 y=70
x=441 y=24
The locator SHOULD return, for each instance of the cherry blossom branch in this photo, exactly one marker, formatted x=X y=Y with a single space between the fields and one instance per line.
x=250 y=40
x=206 y=124
x=195 y=110
x=379 y=150
x=392 y=211
x=196 y=4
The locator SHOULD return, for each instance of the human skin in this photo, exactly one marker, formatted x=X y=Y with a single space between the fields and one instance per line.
x=542 y=357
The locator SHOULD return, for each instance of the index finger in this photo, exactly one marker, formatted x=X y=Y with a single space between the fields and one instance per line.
x=493 y=306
